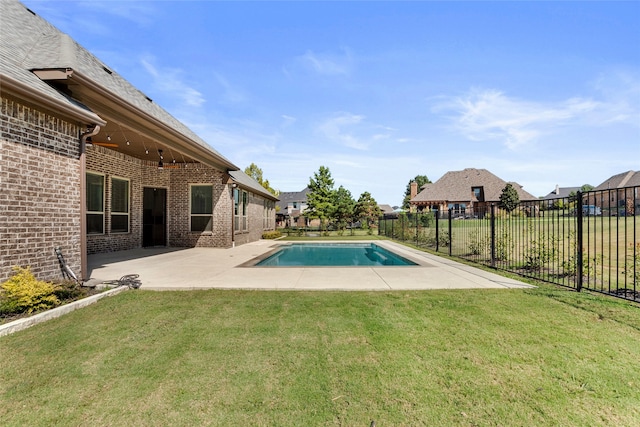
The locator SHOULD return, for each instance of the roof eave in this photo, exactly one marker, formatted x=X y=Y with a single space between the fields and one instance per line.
x=140 y=118
x=24 y=91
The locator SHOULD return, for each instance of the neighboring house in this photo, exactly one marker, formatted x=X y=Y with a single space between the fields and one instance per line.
x=388 y=211
x=618 y=195
x=467 y=192
x=291 y=206
x=92 y=165
x=559 y=193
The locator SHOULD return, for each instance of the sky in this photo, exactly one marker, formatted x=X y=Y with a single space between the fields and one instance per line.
x=539 y=93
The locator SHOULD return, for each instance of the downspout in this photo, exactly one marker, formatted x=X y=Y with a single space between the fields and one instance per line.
x=84 y=272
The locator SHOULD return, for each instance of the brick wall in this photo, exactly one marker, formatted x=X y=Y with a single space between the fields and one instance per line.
x=112 y=164
x=176 y=181
x=39 y=191
x=179 y=217
x=255 y=220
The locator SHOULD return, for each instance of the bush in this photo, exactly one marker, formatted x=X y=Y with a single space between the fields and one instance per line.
x=273 y=234
x=24 y=293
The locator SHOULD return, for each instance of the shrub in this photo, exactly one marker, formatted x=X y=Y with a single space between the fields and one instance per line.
x=24 y=293
x=504 y=246
x=540 y=251
x=273 y=234
x=478 y=244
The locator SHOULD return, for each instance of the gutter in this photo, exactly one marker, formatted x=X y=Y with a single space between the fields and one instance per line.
x=84 y=270
x=17 y=88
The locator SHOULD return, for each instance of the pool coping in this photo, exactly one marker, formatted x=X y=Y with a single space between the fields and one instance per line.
x=215 y=268
x=253 y=263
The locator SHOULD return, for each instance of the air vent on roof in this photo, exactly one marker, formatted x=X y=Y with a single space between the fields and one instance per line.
x=149 y=99
x=107 y=70
x=32 y=12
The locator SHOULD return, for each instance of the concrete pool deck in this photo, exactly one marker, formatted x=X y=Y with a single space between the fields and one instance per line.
x=209 y=268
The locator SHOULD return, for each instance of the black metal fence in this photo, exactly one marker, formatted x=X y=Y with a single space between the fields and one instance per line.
x=587 y=241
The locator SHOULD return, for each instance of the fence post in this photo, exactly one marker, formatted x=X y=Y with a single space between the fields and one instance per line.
x=579 y=247
x=493 y=235
x=450 y=232
x=437 y=229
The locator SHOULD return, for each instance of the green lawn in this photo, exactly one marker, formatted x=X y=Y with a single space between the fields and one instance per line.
x=544 y=356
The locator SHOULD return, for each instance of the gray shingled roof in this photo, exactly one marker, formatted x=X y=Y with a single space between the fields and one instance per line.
x=28 y=42
x=245 y=181
x=456 y=186
x=562 y=192
x=624 y=179
x=292 y=196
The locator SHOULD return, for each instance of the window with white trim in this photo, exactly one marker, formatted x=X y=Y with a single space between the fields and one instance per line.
x=201 y=207
x=95 y=203
x=119 y=205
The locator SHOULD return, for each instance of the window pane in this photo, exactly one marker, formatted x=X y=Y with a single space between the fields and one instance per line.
x=201 y=199
x=95 y=193
x=119 y=195
x=244 y=203
x=119 y=223
x=201 y=223
x=95 y=224
x=236 y=200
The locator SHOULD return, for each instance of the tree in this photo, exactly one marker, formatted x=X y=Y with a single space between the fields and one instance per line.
x=256 y=173
x=320 y=199
x=367 y=210
x=509 y=198
x=420 y=180
x=343 y=207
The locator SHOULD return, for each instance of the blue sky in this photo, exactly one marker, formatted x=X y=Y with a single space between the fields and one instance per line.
x=540 y=93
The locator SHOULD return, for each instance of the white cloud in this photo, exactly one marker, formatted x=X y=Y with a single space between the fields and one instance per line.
x=169 y=81
x=326 y=64
x=491 y=115
x=339 y=129
x=620 y=90
x=230 y=93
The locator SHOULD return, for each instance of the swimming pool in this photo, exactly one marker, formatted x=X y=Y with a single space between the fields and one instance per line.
x=333 y=255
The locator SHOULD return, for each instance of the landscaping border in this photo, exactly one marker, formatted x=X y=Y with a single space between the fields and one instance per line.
x=24 y=323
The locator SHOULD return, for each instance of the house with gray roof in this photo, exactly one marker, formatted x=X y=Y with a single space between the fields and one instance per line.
x=290 y=208
x=467 y=192
x=91 y=164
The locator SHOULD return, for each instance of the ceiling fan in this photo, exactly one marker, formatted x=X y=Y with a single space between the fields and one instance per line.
x=102 y=144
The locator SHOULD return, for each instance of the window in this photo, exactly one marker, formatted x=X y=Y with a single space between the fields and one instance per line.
x=265 y=214
x=240 y=202
x=201 y=208
x=119 y=205
x=95 y=203
x=478 y=193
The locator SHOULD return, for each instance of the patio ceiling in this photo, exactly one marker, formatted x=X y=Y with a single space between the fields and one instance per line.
x=130 y=129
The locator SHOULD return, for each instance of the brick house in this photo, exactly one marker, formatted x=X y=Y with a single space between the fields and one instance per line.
x=90 y=164
x=291 y=207
x=618 y=195
x=468 y=192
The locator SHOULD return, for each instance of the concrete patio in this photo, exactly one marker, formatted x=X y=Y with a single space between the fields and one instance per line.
x=208 y=268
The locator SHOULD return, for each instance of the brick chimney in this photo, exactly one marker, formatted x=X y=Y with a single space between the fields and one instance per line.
x=414 y=189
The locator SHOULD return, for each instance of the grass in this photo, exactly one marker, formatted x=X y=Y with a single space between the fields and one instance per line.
x=544 y=356
x=545 y=247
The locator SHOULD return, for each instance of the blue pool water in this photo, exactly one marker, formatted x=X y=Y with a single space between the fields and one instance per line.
x=333 y=255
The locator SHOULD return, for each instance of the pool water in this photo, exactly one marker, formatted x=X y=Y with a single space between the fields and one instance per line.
x=333 y=255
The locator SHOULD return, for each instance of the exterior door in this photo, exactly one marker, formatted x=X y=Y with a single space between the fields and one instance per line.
x=154 y=217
